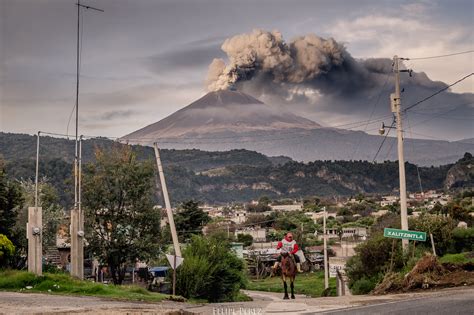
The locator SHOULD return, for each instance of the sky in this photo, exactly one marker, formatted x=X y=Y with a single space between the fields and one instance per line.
x=143 y=60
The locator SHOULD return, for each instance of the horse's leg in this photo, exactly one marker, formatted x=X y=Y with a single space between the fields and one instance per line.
x=292 y=282
x=285 y=297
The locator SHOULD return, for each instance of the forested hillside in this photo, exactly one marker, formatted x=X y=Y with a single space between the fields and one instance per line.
x=221 y=177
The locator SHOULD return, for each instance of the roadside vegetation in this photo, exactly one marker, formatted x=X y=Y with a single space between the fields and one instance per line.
x=380 y=264
x=22 y=281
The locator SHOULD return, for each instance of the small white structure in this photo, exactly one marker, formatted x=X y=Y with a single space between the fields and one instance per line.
x=379 y=213
x=295 y=207
x=354 y=232
x=239 y=216
x=388 y=200
x=258 y=234
x=319 y=215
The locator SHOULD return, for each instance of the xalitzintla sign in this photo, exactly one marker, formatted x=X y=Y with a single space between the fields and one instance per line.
x=405 y=234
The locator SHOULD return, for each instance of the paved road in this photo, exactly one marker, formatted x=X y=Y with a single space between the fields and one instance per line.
x=450 y=302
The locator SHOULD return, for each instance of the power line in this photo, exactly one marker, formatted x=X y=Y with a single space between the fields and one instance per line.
x=438 y=139
x=442 y=56
x=413 y=151
x=383 y=141
x=438 y=92
x=371 y=114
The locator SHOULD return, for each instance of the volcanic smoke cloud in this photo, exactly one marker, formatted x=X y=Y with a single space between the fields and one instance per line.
x=265 y=52
x=262 y=63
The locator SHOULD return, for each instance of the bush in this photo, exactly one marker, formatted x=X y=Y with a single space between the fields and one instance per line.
x=441 y=228
x=364 y=285
x=462 y=258
x=372 y=260
x=462 y=240
x=7 y=250
x=246 y=239
x=210 y=271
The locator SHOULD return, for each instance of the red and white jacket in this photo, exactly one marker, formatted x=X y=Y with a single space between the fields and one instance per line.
x=287 y=246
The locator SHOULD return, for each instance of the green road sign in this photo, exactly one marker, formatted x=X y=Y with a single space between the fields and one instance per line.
x=405 y=234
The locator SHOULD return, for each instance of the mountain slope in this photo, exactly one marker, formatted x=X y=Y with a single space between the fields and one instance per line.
x=238 y=175
x=220 y=112
x=226 y=120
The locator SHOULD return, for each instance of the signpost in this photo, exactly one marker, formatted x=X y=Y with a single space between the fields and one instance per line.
x=175 y=262
x=405 y=234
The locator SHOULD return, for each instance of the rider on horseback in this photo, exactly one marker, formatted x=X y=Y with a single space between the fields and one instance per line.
x=288 y=245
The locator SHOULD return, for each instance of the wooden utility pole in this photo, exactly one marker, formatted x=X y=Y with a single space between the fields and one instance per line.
x=169 y=212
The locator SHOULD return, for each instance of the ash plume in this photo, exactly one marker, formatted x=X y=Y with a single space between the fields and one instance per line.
x=262 y=64
x=262 y=52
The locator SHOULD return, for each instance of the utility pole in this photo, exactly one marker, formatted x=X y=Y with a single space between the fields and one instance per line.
x=77 y=217
x=396 y=108
x=34 y=226
x=169 y=212
x=325 y=247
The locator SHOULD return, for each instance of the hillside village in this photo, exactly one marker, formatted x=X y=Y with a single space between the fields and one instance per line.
x=256 y=227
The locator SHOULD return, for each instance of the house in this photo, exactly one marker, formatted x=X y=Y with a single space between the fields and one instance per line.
x=295 y=207
x=319 y=215
x=258 y=234
x=331 y=233
x=388 y=200
x=239 y=216
x=379 y=213
x=354 y=232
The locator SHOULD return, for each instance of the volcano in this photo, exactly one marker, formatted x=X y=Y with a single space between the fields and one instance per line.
x=226 y=120
x=222 y=112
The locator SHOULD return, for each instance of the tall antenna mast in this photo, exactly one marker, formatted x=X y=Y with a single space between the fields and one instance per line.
x=77 y=217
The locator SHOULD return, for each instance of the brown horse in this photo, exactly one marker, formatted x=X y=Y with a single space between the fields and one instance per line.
x=288 y=272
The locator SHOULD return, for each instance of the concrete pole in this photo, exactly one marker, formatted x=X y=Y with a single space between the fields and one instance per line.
x=34 y=231
x=169 y=212
x=34 y=226
x=37 y=168
x=325 y=247
x=80 y=233
x=401 y=158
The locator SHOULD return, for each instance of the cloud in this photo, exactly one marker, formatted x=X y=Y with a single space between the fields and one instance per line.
x=186 y=57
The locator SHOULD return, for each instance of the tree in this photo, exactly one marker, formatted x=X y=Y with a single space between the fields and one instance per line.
x=246 y=239
x=190 y=219
x=52 y=212
x=264 y=200
x=122 y=224
x=441 y=228
x=11 y=200
x=7 y=249
x=258 y=208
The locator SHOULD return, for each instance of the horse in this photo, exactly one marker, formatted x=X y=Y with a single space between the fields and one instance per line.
x=288 y=272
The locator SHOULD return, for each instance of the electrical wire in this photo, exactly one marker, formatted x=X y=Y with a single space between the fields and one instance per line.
x=437 y=92
x=413 y=151
x=383 y=141
x=371 y=114
x=442 y=56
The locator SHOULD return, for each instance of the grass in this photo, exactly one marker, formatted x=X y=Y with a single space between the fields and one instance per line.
x=311 y=284
x=462 y=258
x=14 y=280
